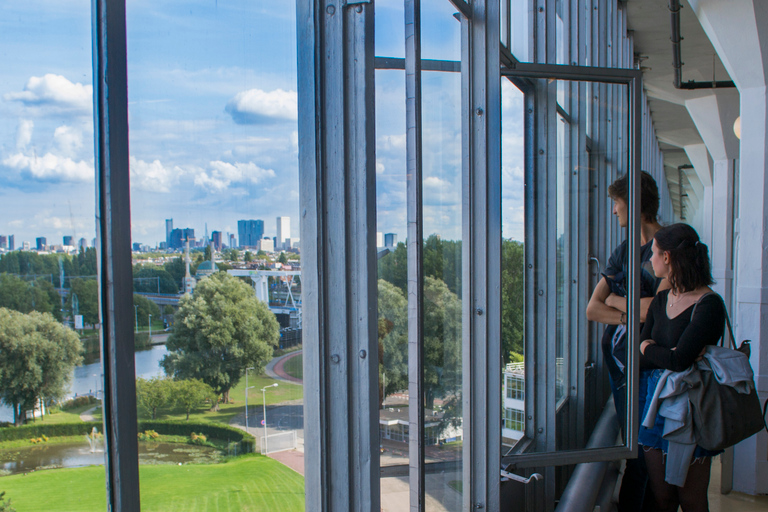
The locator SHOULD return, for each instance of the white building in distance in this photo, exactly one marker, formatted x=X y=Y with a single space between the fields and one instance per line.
x=283 y=232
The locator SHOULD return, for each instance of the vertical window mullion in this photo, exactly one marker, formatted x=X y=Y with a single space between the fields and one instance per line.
x=481 y=256
x=414 y=182
x=114 y=256
x=338 y=197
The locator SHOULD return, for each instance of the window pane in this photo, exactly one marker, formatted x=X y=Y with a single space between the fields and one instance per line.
x=392 y=270
x=512 y=263
x=442 y=198
x=215 y=214
x=50 y=367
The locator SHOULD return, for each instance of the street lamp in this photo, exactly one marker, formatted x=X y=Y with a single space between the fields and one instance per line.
x=150 y=328
x=136 y=316
x=246 y=406
x=264 y=403
x=246 y=396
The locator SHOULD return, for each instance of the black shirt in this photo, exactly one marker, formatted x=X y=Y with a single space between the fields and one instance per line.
x=688 y=336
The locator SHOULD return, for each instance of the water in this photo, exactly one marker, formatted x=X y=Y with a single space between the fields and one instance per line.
x=87 y=378
x=49 y=456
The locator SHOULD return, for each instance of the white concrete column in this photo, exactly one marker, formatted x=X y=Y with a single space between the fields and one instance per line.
x=738 y=30
x=702 y=168
x=713 y=116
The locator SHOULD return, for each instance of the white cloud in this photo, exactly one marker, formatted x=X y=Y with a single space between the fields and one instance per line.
x=69 y=140
x=223 y=174
x=392 y=142
x=255 y=106
x=55 y=92
x=50 y=167
x=153 y=176
x=24 y=133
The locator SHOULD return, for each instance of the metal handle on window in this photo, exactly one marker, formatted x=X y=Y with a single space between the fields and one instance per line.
x=521 y=479
x=594 y=258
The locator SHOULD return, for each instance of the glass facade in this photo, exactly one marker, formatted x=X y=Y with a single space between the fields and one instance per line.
x=451 y=220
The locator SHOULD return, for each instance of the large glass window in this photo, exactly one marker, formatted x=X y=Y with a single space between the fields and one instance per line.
x=215 y=225
x=51 y=374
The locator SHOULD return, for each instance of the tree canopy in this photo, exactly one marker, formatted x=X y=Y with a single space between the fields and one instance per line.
x=219 y=331
x=26 y=296
x=393 y=340
x=37 y=355
x=87 y=293
x=144 y=308
x=442 y=261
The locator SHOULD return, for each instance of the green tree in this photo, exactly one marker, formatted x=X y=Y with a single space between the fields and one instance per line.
x=512 y=298
x=152 y=279
x=192 y=393
x=393 y=340
x=219 y=331
x=153 y=394
x=86 y=262
x=282 y=258
x=87 y=292
x=442 y=341
x=231 y=254
x=27 y=296
x=248 y=257
x=144 y=308
x=177 y=269
x=394 y=267
x=37 y=355
x=207 y=253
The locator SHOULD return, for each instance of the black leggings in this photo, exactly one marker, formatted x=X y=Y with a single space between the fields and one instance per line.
x=692 y=497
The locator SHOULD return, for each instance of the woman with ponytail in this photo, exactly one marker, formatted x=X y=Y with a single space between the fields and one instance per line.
x=673 y=339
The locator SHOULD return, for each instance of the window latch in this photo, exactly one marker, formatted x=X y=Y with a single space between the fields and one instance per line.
x=518 y=478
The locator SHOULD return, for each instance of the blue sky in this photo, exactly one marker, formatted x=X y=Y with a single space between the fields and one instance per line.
x=212 y=113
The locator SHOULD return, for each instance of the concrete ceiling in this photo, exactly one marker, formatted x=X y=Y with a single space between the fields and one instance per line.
x=650 y=24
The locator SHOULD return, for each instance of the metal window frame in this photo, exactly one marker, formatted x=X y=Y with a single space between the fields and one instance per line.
x=337 y=184
x=415 y=245
x=537 y=320
x=481 y=255
x=113 y=216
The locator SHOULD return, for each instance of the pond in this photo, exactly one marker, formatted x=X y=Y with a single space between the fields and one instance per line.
x=73 y=455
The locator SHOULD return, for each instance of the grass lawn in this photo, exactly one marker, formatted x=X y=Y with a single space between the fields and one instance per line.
x=250 y=483
x=285 y=391
x=294 y=367
x=70 y=416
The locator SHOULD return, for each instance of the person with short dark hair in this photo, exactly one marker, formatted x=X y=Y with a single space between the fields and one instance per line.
x=680 y=323
x=608 y=305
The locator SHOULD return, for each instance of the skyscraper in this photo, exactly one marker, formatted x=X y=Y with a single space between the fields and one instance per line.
x=41 y=243
x=68 y=240
x=168 y=229
x=283 y=232
x=250 y=232
x=3 y=242
x=216 y=239
x=179 y=238
x=390 y=239
x=11 y=243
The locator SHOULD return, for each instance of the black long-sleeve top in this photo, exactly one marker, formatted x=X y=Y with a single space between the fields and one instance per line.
x=688 y=336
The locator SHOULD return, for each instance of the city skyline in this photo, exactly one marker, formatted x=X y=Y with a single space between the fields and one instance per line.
x=213 y=131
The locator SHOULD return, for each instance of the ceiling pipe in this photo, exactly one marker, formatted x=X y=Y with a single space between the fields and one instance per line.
x=674 y=9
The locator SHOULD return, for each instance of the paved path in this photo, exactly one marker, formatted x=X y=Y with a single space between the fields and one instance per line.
x=275 y=368
x=88 y=415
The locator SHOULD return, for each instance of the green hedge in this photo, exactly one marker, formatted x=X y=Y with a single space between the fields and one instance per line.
x=210 y=430
x=50 y=430
x=174 y=428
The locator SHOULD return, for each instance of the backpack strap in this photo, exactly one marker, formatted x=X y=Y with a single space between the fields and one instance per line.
x=727 y=319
